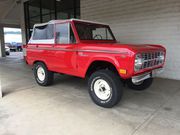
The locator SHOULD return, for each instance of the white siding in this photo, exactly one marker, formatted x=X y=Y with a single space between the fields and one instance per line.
x=142 y=21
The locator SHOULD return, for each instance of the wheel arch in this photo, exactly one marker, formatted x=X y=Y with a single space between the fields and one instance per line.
x=100 y=64
x=41 y=61
x=36 y=61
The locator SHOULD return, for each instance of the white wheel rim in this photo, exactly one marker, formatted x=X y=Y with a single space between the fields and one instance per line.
x=102 y=89
x=138 y=83
x=41 y=74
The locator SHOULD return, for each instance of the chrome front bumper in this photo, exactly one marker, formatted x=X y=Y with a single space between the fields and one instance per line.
x=142 y=77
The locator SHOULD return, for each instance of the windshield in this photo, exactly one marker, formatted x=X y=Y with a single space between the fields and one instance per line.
x=90 y=31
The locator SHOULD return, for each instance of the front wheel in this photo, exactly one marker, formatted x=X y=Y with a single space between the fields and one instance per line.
x=43 y=76
x=142 y=85
x=105 y=88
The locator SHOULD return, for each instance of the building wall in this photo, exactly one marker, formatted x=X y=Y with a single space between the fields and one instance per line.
x=10 y=13
x=142 y=21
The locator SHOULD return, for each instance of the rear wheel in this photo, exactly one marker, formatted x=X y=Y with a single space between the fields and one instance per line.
x=42 y=75
x=105 y=88
x=142 y=85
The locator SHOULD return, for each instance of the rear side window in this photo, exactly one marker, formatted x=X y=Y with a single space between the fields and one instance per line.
x=43 y=32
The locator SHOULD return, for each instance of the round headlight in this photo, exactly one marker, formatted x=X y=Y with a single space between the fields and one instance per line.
x=138 y=62
x=161 y=56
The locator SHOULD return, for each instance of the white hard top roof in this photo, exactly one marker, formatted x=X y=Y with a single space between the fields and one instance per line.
x=67 y=20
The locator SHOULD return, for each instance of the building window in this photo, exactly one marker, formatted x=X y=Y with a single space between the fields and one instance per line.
x=40 y=11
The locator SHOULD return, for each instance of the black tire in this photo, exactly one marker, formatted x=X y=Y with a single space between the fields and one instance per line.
x=49 y=76
x=7 y=53
x=142 y=86
x=113 y=81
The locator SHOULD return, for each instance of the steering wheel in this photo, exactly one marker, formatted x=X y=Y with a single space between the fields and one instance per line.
x=98 y=36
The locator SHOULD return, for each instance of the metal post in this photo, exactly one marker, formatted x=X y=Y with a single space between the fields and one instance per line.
x=2 y=46
x=2 y=53
x=1 y=95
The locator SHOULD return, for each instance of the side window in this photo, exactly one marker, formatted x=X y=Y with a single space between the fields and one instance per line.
x=43 y=32
x=64 y=34
x=50 y=31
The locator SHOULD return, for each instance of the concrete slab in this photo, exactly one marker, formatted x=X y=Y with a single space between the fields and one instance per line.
x=65 y=108
x=165 y=121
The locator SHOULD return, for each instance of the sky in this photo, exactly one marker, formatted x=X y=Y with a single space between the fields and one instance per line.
x=12 y=35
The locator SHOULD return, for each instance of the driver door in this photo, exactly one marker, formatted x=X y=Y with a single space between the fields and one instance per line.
x=65 y=49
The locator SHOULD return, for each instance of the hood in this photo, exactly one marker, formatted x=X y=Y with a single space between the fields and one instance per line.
x=123 y=47
x=143 y=47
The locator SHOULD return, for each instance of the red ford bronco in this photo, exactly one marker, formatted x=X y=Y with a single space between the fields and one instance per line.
x=89 y=50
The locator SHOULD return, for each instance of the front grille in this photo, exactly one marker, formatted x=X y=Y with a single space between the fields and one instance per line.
x=151 y=59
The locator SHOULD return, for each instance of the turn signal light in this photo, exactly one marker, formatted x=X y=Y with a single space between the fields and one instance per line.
x=122 y=71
